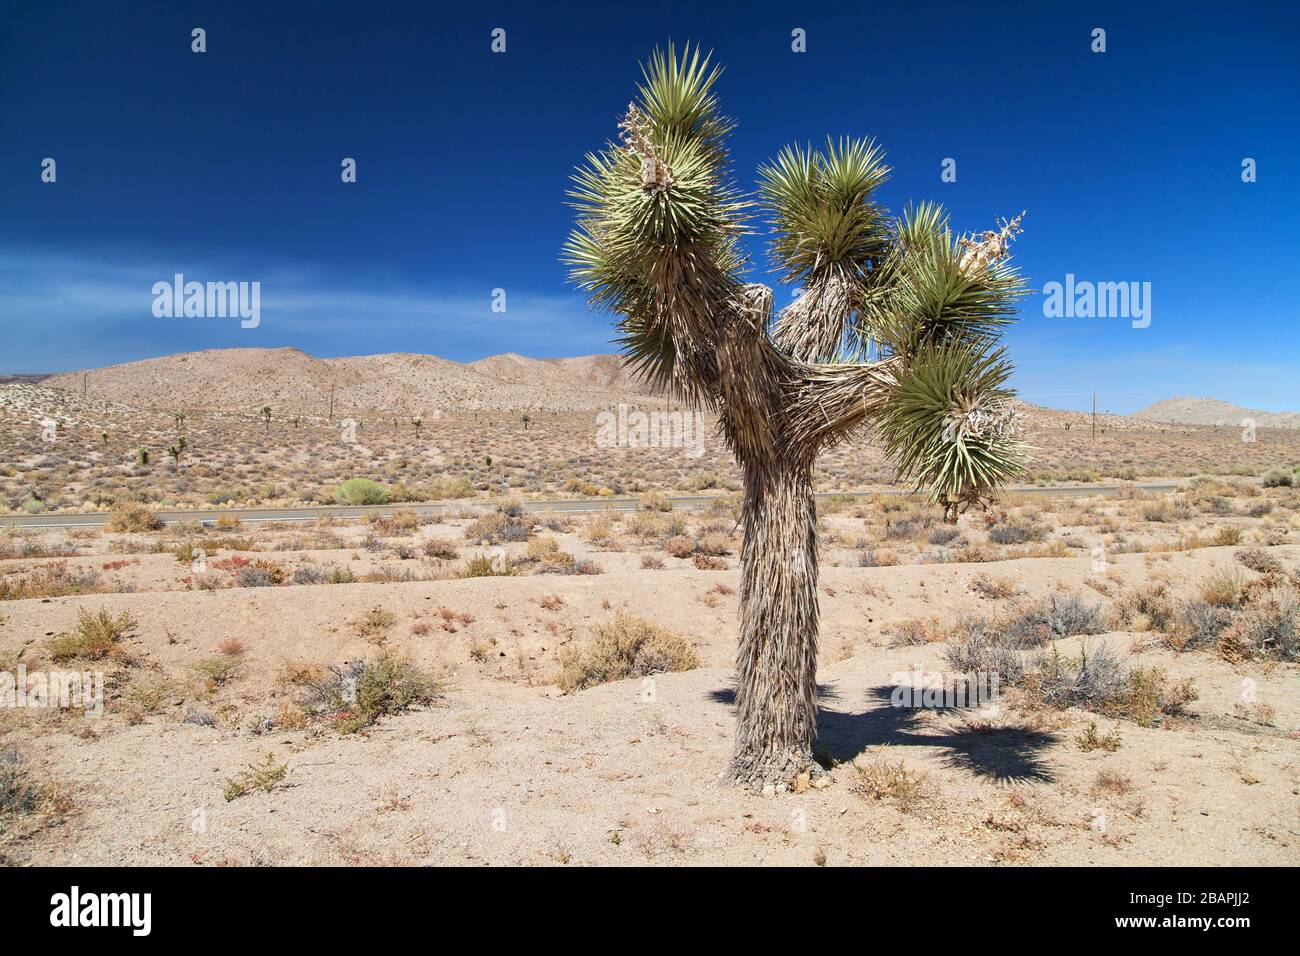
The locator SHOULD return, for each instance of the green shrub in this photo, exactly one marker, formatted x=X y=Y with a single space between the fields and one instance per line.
x=361 y=491
x=264 y=775
x=1277 y=478
x=358 y=694
x=96 y=637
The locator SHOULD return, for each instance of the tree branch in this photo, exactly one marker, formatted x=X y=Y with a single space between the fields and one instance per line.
x=831 y=401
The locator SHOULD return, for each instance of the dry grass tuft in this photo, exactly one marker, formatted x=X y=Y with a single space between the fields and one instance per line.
x=625 y=647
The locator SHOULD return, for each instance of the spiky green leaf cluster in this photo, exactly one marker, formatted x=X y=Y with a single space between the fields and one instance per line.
x=823 y=216
x=919 y=424
x=654 y=255
x=928 y=297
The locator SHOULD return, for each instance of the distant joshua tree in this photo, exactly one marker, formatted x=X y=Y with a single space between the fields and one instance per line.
x=416 y=423
x=177 y=450
x=180 y=420
x=527 y=419
x=266 y=417
x=896 y=328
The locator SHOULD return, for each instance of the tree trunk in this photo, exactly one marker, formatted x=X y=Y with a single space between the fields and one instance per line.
x=776 y=665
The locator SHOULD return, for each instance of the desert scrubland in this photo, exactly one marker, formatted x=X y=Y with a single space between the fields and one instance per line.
x=493 y=686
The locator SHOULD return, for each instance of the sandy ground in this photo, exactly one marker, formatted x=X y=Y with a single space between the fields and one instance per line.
x=507 y=770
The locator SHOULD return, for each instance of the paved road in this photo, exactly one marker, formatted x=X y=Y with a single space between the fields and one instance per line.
x=569 y=505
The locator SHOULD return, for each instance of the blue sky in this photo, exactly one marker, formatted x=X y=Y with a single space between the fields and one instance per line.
x=225 y=166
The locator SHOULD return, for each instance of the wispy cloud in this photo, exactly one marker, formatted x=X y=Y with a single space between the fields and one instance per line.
x=65 y=309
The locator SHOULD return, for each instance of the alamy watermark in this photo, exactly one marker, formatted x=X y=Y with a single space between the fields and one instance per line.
x=60 y=690
x=660 y=429
x=1098 y=300
x=208 y=300
x=935 y=690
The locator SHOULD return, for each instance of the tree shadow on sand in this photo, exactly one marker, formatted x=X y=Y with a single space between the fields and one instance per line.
x=1002 y=754
x=727 y=695
x=998 y=754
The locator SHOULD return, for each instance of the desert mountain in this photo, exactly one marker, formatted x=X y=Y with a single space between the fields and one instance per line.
x=1210 y=411
x=293 y=382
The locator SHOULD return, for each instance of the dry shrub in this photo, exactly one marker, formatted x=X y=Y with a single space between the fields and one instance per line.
x=1100 y=681
x=485 y=566
x=1055 y=616
x=882 y=779
x=1259 y=560
x=1149 y=696
x=397 y=523
x=704 y=562
x=1148 y=608
x=916 y=631
x=539 y=549
x=600 y=530
x=130 y=516
x=1016 y=530
x=215 y=671
x=1222 y=589
x=655 y=501
x=57 y=579
x=713 y=543
x=1199 y=624
x=995 y=589
x=977 y=647
x=1225 y=537
x=497 y=528
x=1113 y=782
x=374 y=625
x=23 y=793
x=680 y=546
x=625 y=647
x=1269 y=627
x=441 y=548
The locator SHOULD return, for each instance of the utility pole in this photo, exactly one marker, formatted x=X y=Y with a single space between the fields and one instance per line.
x=1094 y=418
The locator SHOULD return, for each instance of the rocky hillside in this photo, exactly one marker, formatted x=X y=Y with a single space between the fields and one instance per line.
x=1210 y=411
x=291 y=381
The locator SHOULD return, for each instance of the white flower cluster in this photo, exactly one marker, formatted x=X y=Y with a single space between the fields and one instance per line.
x=990 y=247
x=1001 y=420
x=656 y=177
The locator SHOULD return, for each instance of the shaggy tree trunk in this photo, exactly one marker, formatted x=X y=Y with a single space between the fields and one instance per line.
x=776 y=666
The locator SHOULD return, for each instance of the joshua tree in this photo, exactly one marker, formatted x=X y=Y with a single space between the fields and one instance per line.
x=177 y=450
x=417 y=422
x=266 y=417
x=180 y=420
x=527 y=419
x=896 y=329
